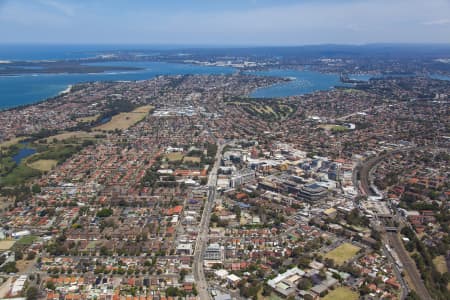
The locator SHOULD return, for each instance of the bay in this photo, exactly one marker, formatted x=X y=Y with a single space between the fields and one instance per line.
x=440 y=77
x=302 y=82
x=26 y=89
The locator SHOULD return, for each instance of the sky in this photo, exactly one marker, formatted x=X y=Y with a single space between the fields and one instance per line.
x=224 y=22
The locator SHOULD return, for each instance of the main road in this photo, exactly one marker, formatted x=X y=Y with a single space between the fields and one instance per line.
x=393 y=238
x=202 y=238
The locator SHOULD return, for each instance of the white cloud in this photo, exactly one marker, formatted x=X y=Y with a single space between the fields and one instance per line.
x=307 y=22
x=62 y=7
x=437 y=22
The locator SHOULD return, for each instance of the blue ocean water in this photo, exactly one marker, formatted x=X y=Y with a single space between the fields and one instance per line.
x=26 y=89
x=303 y=82
x=45 y=52
x=441 y=77
x=57 y=52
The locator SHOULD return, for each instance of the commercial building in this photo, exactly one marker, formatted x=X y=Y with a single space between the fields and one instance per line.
x=312 y=192
x=214 y=252
x=242 y=177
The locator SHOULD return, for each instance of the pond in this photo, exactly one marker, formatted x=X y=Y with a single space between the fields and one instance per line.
x=23 y=153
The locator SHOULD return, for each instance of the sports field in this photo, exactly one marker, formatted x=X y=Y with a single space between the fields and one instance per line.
x=125 y=120
x=342 y=293
x=43 y=164
x=343 y=253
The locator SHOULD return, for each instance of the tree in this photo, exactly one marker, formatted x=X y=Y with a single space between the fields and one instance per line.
x=9 y=268
x=183 y=274
x=31 y=255
x=173 y=292
x=35 y=189
x=329 y=262
x=322 y=274
x=32 y=293
x=412 y=296
x=104 y=251
x=214 y=218
x=18 y=255
x=304 y=284
x=267 y=290
x=104 y=213
x=304 y=262
x=50 y=285
x=308 y=297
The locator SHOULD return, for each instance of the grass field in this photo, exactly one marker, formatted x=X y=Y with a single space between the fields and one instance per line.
x=333 y=127
x=27 y=240
x=440 y=264
x=193 y=159
x=70 y=135
x=343 y=253
x=88 y=119
x=174 y=156
x=126 y=120
x=6 y=245
x=342 y=293
x=5 y=202
x=43 y=164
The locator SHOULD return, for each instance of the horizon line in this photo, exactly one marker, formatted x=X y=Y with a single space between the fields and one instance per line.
x=229 y=45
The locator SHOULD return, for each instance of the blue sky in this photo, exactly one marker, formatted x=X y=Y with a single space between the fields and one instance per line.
x=224 y=22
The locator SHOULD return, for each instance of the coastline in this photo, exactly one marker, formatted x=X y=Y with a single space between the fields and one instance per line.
x=67 y=90
x=47 y=99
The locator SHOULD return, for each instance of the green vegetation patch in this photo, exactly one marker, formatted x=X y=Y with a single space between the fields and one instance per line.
x=43 y=164
x=266 y=109
x=343 y=253
x=342 y=293
x=339 y=128
x=193 y=159
x=440 y=263
x=104 y=213
x=27 y=240
x=174 y=156
x=91 y=245
x=58 y=153
x=47 y=157
x=19 y=175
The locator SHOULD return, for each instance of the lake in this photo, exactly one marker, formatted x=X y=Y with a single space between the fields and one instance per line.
x=23 y=153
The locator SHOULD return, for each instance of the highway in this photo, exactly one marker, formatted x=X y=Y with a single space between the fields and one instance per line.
x=393 y=238
x=202 y=238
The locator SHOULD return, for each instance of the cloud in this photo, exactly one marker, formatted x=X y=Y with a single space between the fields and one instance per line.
x=437 y=22
x=307 y=22
x=268 y=23
x=32 y=16
x=62 y=7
